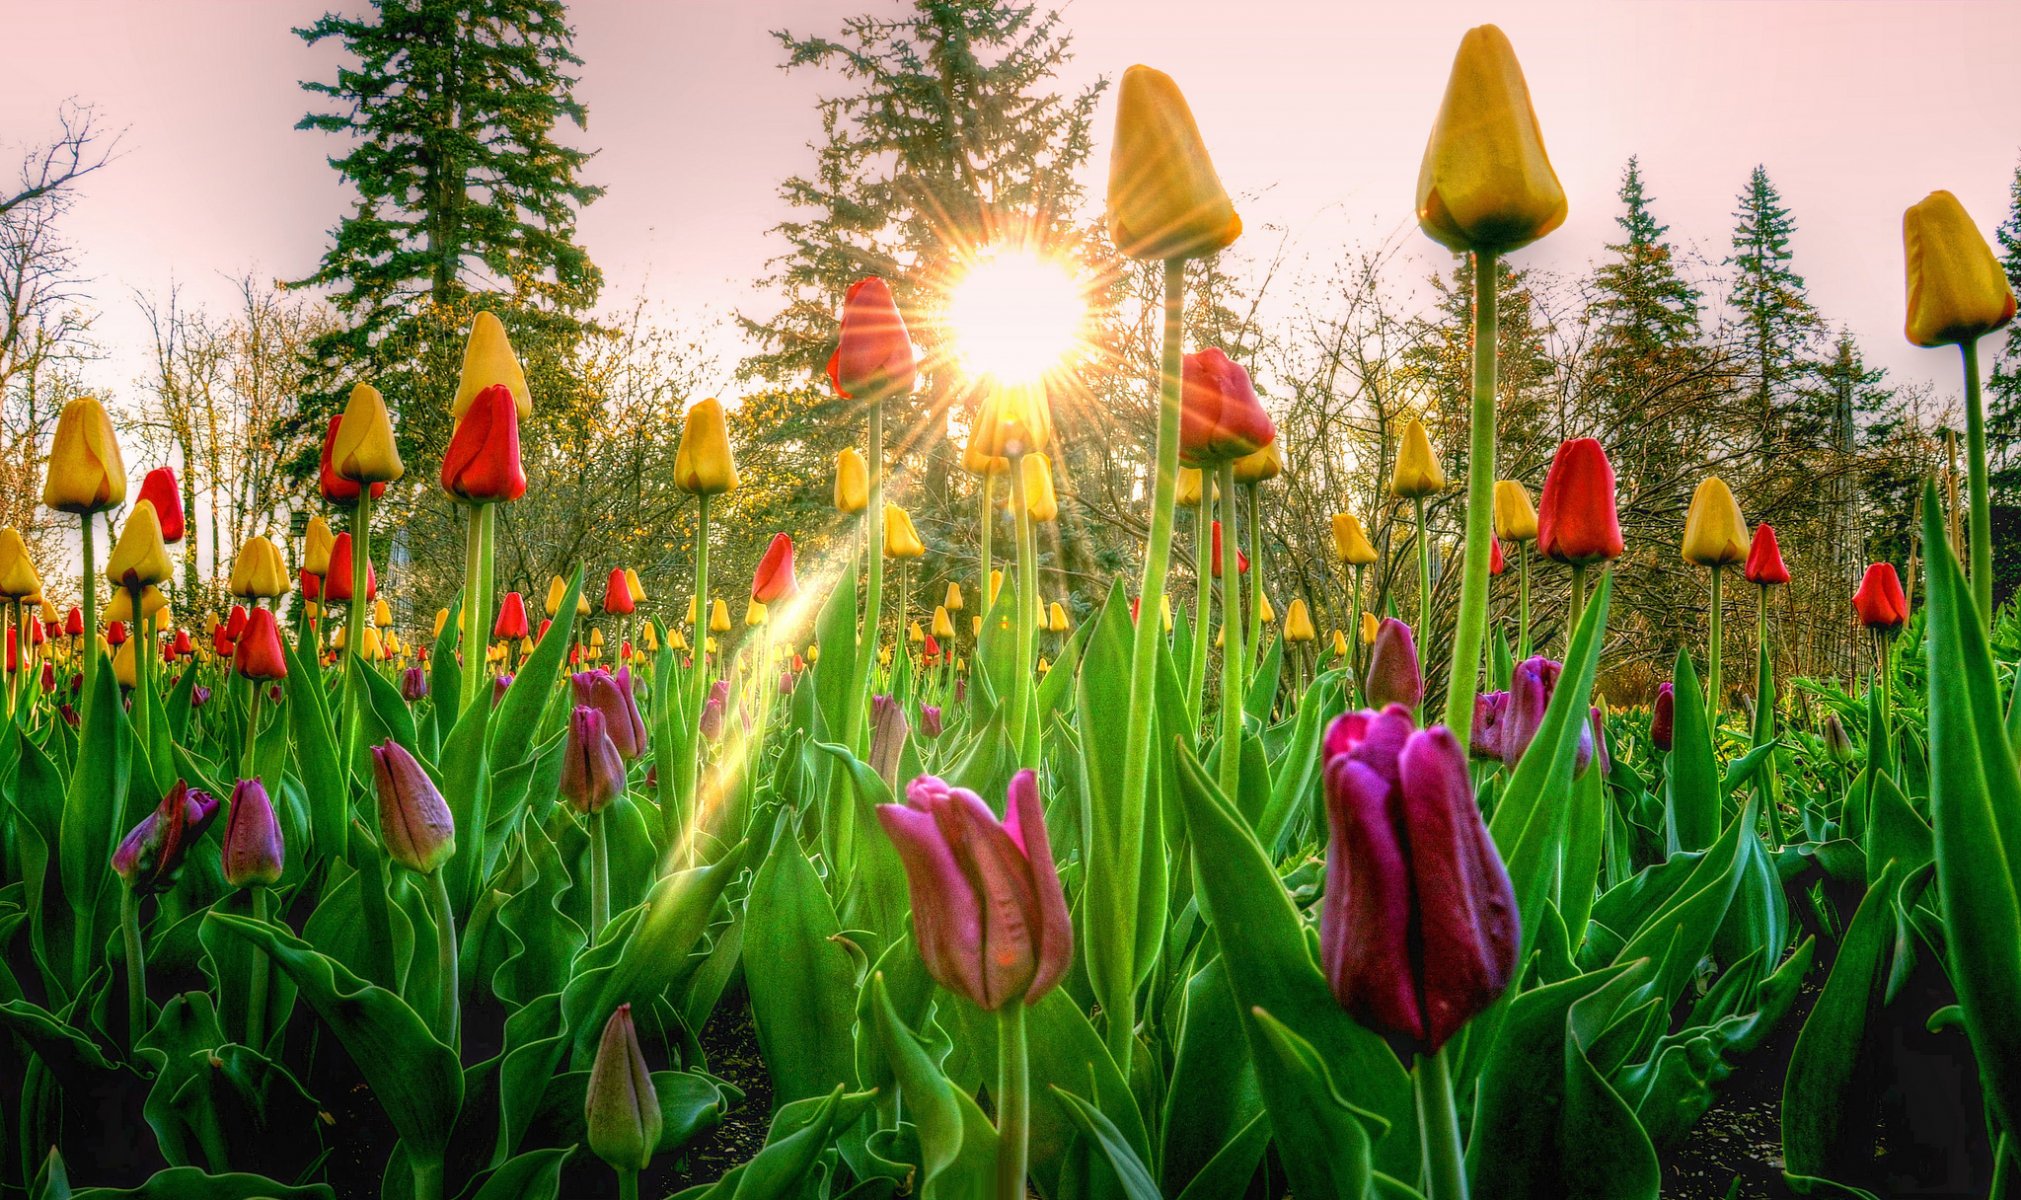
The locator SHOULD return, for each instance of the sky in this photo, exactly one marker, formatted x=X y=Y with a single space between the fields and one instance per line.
x=1316 y=112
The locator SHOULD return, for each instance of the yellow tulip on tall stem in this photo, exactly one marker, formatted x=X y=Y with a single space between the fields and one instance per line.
x=704 y=468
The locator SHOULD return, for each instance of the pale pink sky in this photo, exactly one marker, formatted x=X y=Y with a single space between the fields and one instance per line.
x=1317 y=110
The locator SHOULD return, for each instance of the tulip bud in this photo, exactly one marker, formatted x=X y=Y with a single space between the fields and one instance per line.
x=873 y=352
x=1515 y=518
x=317 y=544
x=977 y=884
x=362 y=446
x=592 y=774
x=1393 y=675
x=774 y=579
x=1262 y=466
x=719 y=616
x=1764 y=558
x=253 y=852
x=85 y=473
x=482 y=462
x=1417 y=473
x=511 y=622
x=1165 y=200
x=1715 y=534
x=1214 y=555
x=1486 y=182
x=258 y=652
x=1014 y=419
x=150 y=857
x=158 y=488
x=382 y=613
x=1058 y=615
x=612 y=695
x=1576 y=522
x=1038 y=481
x=852 y=481
x=1351 y=545
x=413 y=685
x=259 y=570
x=337 y=584
x=1298 y=623
x=18 y=577
x=901 y=540
x=888 y=730
x=943 y=623
x=930 y=722
x=617 y=594
x=1879 y=602
x=1663 y=717
x=1531 y=686
x=621 y=1109
x=73 y=622
x=488 y=362
x=1958 y=292
x=414 y=824
x=703 y=465
x=1496 y=563
x=1418 y=923
x=917 y=633
x=1491 y=714
x=952 y=603
x=1837 y=744
x=140 y=557
x=1220 y=418
x=1339 y=644
x=1194 y=486
x=500 y=684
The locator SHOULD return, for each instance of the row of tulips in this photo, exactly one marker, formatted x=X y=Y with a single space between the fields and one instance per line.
x=1084 y=923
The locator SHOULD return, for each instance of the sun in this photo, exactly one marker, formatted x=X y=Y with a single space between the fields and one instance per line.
x=1016 y=316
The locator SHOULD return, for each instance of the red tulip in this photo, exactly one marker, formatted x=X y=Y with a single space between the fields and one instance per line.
x=617 y=594
x=1496 y=564
x=1764 y=558
x=1241 y=559
x=337 y=584
x=874 y=352
x=1576 y=522
x=1663 y=717
x=73 y=621
x=592 y=773
x=1220 y=419
x=115 y=634
x=542 y=631
x=774 y=579
x=150 y=857
x=482 y=462
x=221 y=643
x=183 y=646
x=312 y=586
x=235 y=622
x=258 y=653
x=511 y=621
x=1879 y=601
x=336 y=488
x=160 y=490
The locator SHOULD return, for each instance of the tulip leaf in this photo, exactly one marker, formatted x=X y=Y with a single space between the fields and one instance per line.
x=517 y=728
x=801 y=981
x=534 y=1175
x=323 y=780
x=1692 y=785
x=1229 y=1172
x=1296 y=786
x=1135 y=1177
x=416 y=1079
x=956 y=1141
x=93 y=820
x=1212 y=1093
x=1109 y=906
x=466 y=788
x=1320 y=1136
x=189 y=1183
x=1818 y=1096
x=800 y=1135
x=876 y=898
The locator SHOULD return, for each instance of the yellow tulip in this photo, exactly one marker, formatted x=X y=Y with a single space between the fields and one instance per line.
x=1298 y=622
x=86 y=473
x=1515 y=516
x=1267 y=463
x=581 y=604
x=596 y=638
x=953 y=603
x=754 y=615
x=852 y=481
x=1058 y=613
x=975 y=625
x=260 y=570
x=1193 y=485
x=1715 y=534
x=1013 y=420
x=488 y=360
x=371 y=645
x=1339 y=644
x=1370 y=626
x=694 y=609
x=1418 y=473
x=382 y=613
x=122 y=663
x=1269 y=613
x=650 y=635
x=140 y=557
x=884 y=657
x=943 y=625
x=995 y=586
x=719 y=617
x=1486 y=182
x=557 y=591
x=1165 y=610
x=677 y=641
x=709 y=645
x=316 y=544
x=441 y=621
x=916 y=635
x=703 y=465
x=121 y=606
x=1957 y=289
x=311 y=609
x=1165 y=200
x=632 y=585
x=901 y=540
x=1350 y=545
x=1038 y=481
x=365 y=451
x=17 y=570
x=976 y=461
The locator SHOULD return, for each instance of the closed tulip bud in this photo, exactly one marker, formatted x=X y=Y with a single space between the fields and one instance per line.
x=259 y=571
x=363 y=449
x=1264 y=465
x=1393 y=674
x=612 y=695
x=122 y=607
x=1418 y=924
x=150 y=857
x=711 y=724
x=1298 y=623
x=703 y=465
x=1339 y=644
x=995 y=586
x=1837 y=744
x=1531 y=686
x=257 y=653
x=317 y=544
x=617 y=594
x=1576 y=522
x=1220 y=418
x=873 y=352
x=1515 y=517
x=888 y=731
x=123 y=665
x=18 y=577
x=158 y=488
x=371 y=647
x=1486 y=182
x=1715 y=534
x=852 y=481
x=1663 y=716
x=511 y=622
x=1165 y=200
x=557 y=591
x=621 y=1110
x=1764 y=558
x=754 y=614
x=1214 y=555
x=988 y=911
x=1058 y=615
x=901 y=540
x=1269 y=613
x=1879 y=602
x=592 y=773
x=917 y=634
x=115 y=633
x=1418 y=473
x=953 y=601
x=488 y=362
x=1350 y=545
x=1496 y=564
x=1194 y=486
x=500 y=685
x=930 y=721
x=73 y=622
x=774 y=581
x=1370 y=626
x=1958 y=292
x=1491 y=713
x=719 y=617
x=975 y=624
x=1014 y=419
x=1038 y=481
x=943 y=624
x=86 y=473
x=382 y=613
x=414 y=824
x=482 y=462
x=337 y=582
x=139 y=557
x=650 y=636
x=253 y=852
x=413 y=685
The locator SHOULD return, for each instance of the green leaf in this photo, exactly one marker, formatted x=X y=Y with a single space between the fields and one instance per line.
x=1318 y=1133
x=1692 y=788
x=188 y=1183
x=517 y=727
x=1817 y=1094
x=802 y=983
x=323 y=780
x=1212 y=1094
x=534 y=1175
x=1130 y=1169
x=957 y=1143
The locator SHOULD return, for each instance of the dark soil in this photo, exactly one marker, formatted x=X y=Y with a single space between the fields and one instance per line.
x=731 y=1042
x=1735 y=1150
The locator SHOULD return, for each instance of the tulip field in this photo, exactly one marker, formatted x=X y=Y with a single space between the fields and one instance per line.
x=857 y=880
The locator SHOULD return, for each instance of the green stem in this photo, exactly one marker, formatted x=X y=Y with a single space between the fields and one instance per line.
x=1203 y=604
x=873 y=601
x=599 y=877
x=1575 y=604
x=1128 y=861
x=691 y=760
x=136 y=965
x=1354 y=631
x=1013 y=1101
x=1439 y=1127
x=1981 y=533
x=1523 y=591
x=1463 y=679
x=1885 y=671
x=427 y=1179
x=256 y=990
x=1252 y=646
x=1232 y=651
x=143 y=669
x=988 y=524
x=89 y=642
x=246 y=768
x=448 y=1002
x=1713 y=696
x=478 y=540
x=1021 y=699
x=354 y=619
x=628 y=1184
x=1424 y=628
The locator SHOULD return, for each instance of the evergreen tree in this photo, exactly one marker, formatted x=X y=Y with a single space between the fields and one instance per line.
x=1642 y=306
x=2003 y=390
x=1778 y=324
x=464 y=200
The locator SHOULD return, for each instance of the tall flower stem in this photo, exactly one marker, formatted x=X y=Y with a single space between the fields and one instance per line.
x=1252 y=646
x=599 y=877
x=698 y=665
x=628 y=1183
x=1523 y=603
x=136 y=965
x=1713 y=696
x=1575 y=605
x=88 y=644
x=1128 y=865
x=246 y=767
x=1424 y=549
x=478 y=539
x=143 y=670
x=1232 y=652
x=256 y=989
x=1013 y=1101
x=988 y=490
x=448 y=1004
x=354 y=617
x=1021 y=697
x=1463 y=680
x=873 y=600
x=1354 y=630
x=1981 y=531
x=1439 y=1127
x=1203 y=604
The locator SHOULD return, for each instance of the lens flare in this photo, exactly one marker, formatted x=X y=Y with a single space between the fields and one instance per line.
x=1016 y=316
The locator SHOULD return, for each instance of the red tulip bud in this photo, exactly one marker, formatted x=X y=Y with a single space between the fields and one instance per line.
x=1879 y=601
x=1220 y=418
x=1576 y=522
x=617 y=594
x=774 y=578
x=482 y=462
x=592 y=774
x=1764 y=558
x=414 y=823
x=511 y=622
x=258 y=653
x=159 y=489
x=873 y=353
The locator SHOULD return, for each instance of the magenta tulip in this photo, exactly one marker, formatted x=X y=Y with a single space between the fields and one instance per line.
x=1393 y=674
x=592 y=773
x=150 y=857
x=253 y=851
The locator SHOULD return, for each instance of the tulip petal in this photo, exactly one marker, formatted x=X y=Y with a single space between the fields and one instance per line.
x=1365 y=943
x=946 y=917
x=1025 y=822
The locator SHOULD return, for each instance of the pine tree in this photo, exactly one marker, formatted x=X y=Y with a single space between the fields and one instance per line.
x=464 y=200
x=1778 y=324
x=1642 y=306
x=2003 y=390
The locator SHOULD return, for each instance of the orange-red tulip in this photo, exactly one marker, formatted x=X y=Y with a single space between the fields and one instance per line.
x=1576 y=522
x=873 y=354
x=511 y=623
x=1764 y=558
x=617 y=594
x=258 y=652
x=159 y=489
x=482 y=462
x=1220 y=419
x=774 y=579
x=1879 y=601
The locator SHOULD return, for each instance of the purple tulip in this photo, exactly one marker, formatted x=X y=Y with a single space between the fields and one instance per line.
x=888 y=730
x=1530 y=689
x=960 y=688
x=199 y=696
x=499 y=686
x=612 y=695
x=987 y=908
x=712 y=720
x=786 y=681
x=253 y=850
x=592 y=772
x=1418 y=928
x=621 y=1110
x=150 y=857
x=1491 y=711
x=1598 y=732
x=414 y=823
x=1393 y=675
x=929 y=720
x=413 y=685
x=1663 y=717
